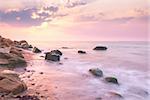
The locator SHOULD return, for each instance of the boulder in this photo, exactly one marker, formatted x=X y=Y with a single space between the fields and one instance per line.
x=12 y=60
x=81 y=52
x=96 y=72
x=100 y=48
x=57 y=52
x=111 y=80
x=52 y=57
x=10 y=83
x=36 y=50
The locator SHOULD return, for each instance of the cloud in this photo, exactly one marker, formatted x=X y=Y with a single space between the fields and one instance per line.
x=121 y=20
x=71 y=4
x=31 y=16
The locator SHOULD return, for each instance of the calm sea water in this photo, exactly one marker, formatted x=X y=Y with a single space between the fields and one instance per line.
x=128 y=61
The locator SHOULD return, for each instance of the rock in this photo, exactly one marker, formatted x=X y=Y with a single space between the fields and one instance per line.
x=36 y=50
x=41 y=73
x=115 y=94
x=29 y=97
x=10 y=83
x=96 y=71
x=30 y=46
x=100 y=48
x=12 y=60
x=111 y=80
x=81 y=52
x=52 y=57
x=65 y=47
x=57 y=52
x=4 y=42
x=16 y=52
x=24 y=44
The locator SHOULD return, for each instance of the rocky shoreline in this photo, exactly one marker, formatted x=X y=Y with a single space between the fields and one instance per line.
x=16 y=86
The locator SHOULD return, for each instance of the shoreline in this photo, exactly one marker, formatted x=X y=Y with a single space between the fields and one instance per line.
x=71 y=79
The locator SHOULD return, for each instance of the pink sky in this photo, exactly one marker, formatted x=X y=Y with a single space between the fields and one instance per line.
x=75 y=20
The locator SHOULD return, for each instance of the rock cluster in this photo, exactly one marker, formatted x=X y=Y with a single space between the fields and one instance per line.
x=11 y=53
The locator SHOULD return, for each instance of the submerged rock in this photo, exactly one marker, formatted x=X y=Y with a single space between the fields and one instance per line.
x=52 y=57
x=81 y=52
x=10 y=83
x=36 y=50
x=100 y=48
x=96 y=71
x=111 y=80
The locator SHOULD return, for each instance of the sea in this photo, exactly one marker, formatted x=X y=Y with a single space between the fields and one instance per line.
x=70 y=78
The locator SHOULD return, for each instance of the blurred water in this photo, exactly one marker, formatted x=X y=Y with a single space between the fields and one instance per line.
x=128 y=61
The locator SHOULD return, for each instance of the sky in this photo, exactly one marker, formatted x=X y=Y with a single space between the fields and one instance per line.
x=75 y=20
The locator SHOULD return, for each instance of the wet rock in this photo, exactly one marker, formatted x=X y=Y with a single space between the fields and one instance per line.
x=29 y=97
x=81 y=52
x=96 y=72
x=57 y=52
x=36 y=50
x=100 y=48
x=111 y=80
x=41 y=73
x=52 y=57
x=11 y=83
x=30 y=46
x=115 y=94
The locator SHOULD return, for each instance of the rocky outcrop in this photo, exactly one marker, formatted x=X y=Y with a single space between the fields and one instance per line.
x=96 y=72
x=36 y=50
x=81 y=52
x=100 y=48
x=10 y=83
x=111 y=80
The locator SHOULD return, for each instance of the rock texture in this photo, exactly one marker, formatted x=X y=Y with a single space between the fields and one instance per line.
x=11 y=60
x=10 y=83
